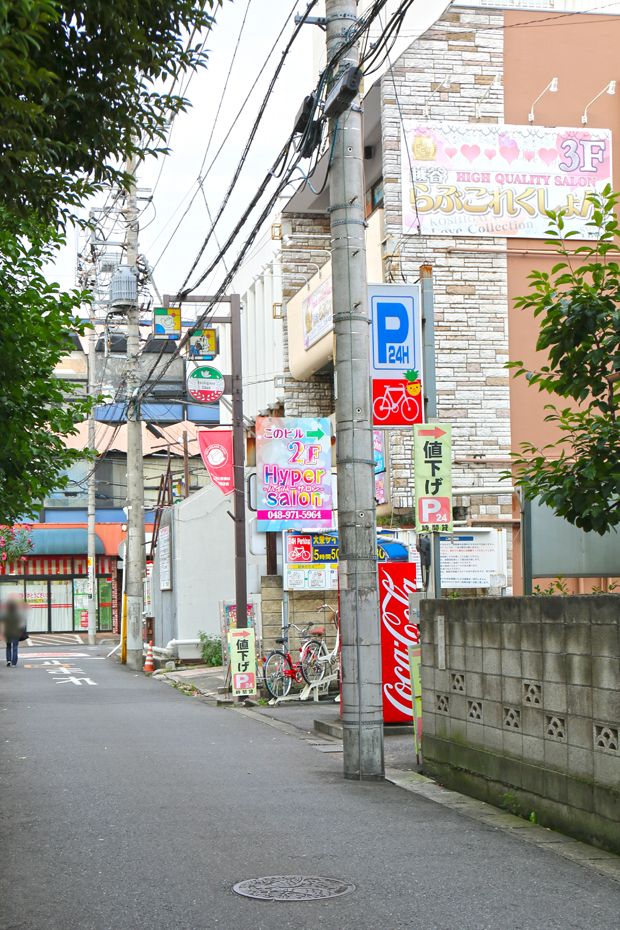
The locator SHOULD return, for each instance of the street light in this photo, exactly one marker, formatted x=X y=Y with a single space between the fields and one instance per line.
x=610 y=89
x=552 y=86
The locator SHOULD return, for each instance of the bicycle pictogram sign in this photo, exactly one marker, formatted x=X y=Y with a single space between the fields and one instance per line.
x=393 y=404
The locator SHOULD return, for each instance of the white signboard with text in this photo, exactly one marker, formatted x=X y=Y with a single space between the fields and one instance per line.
x=473 y=558
x=163 y=550
x=472 y=179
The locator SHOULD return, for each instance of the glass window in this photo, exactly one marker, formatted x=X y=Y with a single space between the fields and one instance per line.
x=80 y=604
x=377 y=194
x=62 y=606
x=11 y=589
x=38 y=604
x=105 y=604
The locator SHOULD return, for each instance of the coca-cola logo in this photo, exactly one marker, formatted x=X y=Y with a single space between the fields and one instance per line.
x=397 y=580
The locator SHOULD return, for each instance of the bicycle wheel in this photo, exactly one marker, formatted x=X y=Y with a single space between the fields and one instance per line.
x=311 y=668
x=410 y=409
x=382 y=408
x=277 y=683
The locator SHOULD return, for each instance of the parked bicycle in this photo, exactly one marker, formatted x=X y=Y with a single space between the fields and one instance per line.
x=279 y=671
x=320 y=662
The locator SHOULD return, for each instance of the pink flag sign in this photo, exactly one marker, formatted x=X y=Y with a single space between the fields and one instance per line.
x=216 y=449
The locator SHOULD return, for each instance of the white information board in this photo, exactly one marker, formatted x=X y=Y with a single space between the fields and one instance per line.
x=473 y=558
x=163 y=550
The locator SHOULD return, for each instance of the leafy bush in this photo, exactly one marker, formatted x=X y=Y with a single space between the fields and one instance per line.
x=211 y=649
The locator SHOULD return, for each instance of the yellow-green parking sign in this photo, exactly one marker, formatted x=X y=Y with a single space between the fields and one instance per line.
x=432 y=462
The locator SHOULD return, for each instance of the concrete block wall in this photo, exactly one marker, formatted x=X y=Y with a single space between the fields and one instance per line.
x=521 y=697
x=470 y=287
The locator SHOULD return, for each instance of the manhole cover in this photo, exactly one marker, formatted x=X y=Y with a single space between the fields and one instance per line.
x=293 y=888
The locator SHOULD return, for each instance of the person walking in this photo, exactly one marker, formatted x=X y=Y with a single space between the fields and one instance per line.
x=13 y=629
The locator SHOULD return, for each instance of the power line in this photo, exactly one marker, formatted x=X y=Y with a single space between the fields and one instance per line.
x=202 y=177
x=351 y=36
x=250 y=140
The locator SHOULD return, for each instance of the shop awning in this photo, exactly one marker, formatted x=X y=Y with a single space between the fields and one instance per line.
x=64 y=541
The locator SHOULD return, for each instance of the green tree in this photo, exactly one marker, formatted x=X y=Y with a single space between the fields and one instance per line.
x=36 y=320
x=83 y=86
x=579 y=307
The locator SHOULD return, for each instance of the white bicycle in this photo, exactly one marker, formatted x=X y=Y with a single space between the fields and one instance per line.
x=321 y=662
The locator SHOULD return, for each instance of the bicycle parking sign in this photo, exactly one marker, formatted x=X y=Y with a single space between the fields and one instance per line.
x=396 y=354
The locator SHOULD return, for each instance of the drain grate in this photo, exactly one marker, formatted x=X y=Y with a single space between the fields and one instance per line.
x=293 y=888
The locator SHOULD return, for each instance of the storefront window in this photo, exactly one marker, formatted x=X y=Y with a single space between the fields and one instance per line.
x=105 y=604
x=38 y=606
x=62 y=605
x=80 y=604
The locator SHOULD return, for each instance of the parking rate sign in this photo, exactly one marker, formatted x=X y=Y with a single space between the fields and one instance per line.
x=242 y=661
x=432 y=462
x=395 y=354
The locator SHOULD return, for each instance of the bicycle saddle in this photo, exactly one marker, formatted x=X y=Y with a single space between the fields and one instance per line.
x=280 y=641
x=318 y=631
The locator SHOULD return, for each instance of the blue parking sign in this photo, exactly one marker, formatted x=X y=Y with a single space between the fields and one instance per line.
x=395 y=329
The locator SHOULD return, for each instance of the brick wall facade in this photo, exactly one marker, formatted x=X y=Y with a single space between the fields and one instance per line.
x=470 y=287
x=300 y=256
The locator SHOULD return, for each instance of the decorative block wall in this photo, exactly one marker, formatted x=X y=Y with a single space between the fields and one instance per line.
x=521 y=696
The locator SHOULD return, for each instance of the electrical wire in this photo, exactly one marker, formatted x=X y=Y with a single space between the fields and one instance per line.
x=202 y=177
x=250 y=140
x=337 y=54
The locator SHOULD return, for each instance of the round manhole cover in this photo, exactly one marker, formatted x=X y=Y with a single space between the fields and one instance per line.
x=293 y=888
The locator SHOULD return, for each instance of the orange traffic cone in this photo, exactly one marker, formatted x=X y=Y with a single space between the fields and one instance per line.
x=148 y=665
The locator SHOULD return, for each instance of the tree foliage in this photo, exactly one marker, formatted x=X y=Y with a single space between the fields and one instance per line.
x=82 y=86
x=579 y=306
x=36 y=320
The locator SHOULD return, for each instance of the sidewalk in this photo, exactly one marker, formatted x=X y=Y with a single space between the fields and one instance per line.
x=318 y=723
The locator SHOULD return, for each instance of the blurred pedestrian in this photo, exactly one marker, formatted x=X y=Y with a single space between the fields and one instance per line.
x=13 y=628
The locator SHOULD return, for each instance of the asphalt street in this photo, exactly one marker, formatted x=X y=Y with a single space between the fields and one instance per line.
x=127 y=804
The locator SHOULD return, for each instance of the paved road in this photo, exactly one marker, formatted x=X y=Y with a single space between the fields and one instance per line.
x=127 y=804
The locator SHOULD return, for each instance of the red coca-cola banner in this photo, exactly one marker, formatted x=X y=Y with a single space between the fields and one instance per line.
x=397 y=580
x=216 y=449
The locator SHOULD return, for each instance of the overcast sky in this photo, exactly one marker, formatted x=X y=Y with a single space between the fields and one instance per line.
x=191 y=131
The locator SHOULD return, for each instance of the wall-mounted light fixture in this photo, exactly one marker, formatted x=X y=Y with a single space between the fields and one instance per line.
x=444 y=85
x=610 y=89
x=552 y=86
x=494 y=85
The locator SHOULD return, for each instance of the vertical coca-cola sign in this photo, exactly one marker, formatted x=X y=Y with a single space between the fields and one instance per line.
x=397 y=580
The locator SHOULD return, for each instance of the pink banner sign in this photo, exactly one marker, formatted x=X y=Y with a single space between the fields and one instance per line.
x=216 y=449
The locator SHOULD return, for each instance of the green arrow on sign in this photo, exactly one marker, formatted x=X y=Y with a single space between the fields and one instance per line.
x=316 y=434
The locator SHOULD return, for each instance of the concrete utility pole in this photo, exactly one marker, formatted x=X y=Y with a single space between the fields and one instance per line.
x=430 y=402
x=134 y=554
x=92 y=486
x=362 y=704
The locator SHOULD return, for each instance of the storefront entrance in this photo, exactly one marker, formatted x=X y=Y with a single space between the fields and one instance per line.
x=60 y=605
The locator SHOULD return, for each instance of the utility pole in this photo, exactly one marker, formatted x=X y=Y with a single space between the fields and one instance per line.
x=362 y=700
x=185 y=464
x=135 y=555
x=92 y=485
x=430 y=402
